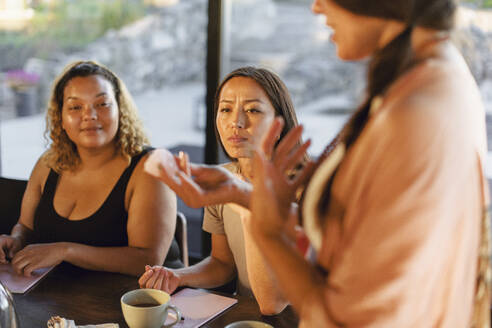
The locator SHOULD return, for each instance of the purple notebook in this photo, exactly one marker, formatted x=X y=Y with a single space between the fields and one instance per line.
x=18 y=284
x=198 y=306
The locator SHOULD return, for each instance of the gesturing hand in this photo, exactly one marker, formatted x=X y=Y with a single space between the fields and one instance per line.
x=158 y=277
x=274 y=191
x=38 y=256
x=197 y=185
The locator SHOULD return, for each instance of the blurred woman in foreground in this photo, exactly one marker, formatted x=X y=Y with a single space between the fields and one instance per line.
x=396 y=208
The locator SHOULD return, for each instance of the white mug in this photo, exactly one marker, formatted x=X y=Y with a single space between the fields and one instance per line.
x=248 y=324
x=147 y=308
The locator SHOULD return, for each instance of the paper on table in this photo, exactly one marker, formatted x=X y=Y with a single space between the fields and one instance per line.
x=198 y=306
x=18 y=284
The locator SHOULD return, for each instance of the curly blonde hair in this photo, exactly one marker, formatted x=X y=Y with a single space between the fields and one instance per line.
x=130 y=138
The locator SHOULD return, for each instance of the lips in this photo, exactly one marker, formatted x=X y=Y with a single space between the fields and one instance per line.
x=236 y=139
x=91 y=129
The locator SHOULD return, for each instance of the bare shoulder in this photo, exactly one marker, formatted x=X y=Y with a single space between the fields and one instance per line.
x=39 y=174
x=145 y=183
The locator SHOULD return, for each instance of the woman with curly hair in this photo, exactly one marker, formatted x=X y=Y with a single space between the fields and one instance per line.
x=88 y=201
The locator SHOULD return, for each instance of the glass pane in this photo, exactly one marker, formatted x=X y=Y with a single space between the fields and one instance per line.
x=157 y=47
x=285 y=36
x=150 y=44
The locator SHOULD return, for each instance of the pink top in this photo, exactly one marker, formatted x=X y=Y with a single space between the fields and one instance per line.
x=400 y=240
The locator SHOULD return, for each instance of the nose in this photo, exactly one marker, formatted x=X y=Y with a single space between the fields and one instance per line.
x=238 y=120
x=315 y=7
x=89 y=113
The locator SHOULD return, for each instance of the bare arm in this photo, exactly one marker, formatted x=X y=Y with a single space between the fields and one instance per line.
x=150 y=227
x=151 y=224
x=22 y=232
x=263 y=281
x=214 y=271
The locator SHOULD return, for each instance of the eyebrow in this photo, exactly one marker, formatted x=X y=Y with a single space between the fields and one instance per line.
x=98 y=95
x=246 y=101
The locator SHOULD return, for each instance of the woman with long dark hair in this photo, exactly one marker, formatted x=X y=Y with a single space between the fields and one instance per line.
x=396 y=208
x=246 y=103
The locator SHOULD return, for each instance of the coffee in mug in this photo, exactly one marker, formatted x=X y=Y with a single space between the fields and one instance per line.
x=147 y=308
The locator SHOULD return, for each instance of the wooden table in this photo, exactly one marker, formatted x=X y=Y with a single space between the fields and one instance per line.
x=91 y=297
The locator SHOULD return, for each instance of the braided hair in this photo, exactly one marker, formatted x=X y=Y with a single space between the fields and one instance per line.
x=389 y=62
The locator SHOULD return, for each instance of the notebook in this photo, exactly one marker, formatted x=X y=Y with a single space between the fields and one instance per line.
x=18 y=284
x=198 y=306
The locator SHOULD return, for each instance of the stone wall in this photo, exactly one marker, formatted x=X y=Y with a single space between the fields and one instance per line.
x=168 y=47
x=164 y=48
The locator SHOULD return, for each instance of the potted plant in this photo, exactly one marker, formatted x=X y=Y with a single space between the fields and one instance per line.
x=24 y=85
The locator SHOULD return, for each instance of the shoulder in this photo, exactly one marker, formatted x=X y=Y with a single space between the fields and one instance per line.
x=144 y=182
x=440 y=85
x=139 y=161
x=39 y=173
x=437 y=100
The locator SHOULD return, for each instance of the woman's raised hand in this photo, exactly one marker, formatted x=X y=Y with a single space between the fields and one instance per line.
x=275 y=192
x=197 y=185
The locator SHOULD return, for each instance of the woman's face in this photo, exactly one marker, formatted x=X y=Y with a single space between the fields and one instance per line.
x=243 y=117
x=90 y=112
x=355 y=36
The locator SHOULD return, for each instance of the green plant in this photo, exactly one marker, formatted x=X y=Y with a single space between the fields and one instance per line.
x=480 y=3
x=68 y=26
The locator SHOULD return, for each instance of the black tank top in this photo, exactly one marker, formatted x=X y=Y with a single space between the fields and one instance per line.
x=106 y=227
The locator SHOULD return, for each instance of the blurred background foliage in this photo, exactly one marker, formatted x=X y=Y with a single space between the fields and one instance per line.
x=479 y=3
x=66 y=26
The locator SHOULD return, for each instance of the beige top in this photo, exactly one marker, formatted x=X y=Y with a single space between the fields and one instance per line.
x=400 y=240
x=224 y=219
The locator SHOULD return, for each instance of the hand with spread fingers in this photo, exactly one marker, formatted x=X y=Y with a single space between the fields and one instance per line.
x=197 y=185
x=274 y=192
x=158 y=277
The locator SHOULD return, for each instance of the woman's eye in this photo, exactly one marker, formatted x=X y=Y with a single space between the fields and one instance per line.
x=75 y=107
x=104 y=104
x=224 y=110
x=253 y=110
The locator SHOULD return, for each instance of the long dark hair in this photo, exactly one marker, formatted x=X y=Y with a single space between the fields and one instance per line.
x=390 y=62
x=275 y=89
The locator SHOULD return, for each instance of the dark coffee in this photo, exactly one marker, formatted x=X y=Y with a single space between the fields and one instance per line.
x=145 y=304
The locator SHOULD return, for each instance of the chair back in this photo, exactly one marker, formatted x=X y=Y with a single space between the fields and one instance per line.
x=11 y=191
x=181 y=235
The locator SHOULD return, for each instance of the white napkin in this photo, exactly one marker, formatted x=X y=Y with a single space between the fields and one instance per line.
x=58 y=322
